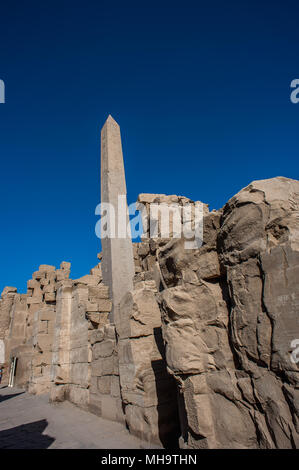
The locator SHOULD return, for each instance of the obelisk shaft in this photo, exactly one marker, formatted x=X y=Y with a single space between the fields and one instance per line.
x=117 y=262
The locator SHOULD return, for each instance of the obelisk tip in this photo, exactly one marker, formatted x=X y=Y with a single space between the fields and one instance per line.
x=110 y=121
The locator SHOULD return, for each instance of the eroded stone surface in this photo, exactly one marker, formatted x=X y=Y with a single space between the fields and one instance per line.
x=201 y=343
x=230 y=312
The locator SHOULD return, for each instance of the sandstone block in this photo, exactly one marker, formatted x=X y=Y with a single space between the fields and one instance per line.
x=50 y=297
x=35 y=299
x=104 y=384
x=103 y=349
x=96 y=336
x=38 y=275
x=33 y=284
x=65 y=266
x=89 y=280
x=104 y=305
x=97 y=270
x=139 y=314
x=46 y=268
x=98 y=292
x=8 y=290
x=79 y=396
x=62 y=274
x=111 y=408
x=105 y=366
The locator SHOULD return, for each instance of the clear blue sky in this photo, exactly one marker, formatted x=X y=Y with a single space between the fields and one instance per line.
x=201 y=91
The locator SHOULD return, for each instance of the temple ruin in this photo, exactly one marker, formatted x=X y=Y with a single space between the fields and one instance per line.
x=188 y=348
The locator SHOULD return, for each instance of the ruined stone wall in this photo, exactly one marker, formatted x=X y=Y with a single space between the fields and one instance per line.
x=83 y=305
x=179 y=215
x=60 y=369
x=79 y=360
x=199 y=353
x=31 y=319
x=43 y=329
x=41 y=301
x=148 y=392
x=105 y=399
x=229 y=313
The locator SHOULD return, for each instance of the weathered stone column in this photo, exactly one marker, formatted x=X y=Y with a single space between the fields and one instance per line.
x=118 y=261
x=60 y=371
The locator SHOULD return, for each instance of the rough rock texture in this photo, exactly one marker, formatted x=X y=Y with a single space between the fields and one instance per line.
x=82 y=309
x=200 y=349
x=39 y=381
x=148 y=391
x=30 y=333
x=230 y=312
x=105 y=399
x=167 y=216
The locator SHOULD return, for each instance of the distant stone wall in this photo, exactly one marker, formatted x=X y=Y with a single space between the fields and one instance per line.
x=43 y=329
x=29 y=327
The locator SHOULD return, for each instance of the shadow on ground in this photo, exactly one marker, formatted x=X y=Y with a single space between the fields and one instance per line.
x=7 y=397
x=26 y=436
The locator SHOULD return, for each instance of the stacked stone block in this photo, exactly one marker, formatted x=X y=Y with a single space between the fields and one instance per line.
x=83 y=307
x=41 y=301
x=200 y=348
x=153 y=222
x=148 y=391
x=105 y=397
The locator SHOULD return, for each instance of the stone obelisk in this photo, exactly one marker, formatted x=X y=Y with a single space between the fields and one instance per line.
x=117 y=262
